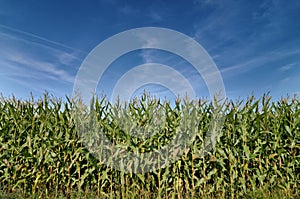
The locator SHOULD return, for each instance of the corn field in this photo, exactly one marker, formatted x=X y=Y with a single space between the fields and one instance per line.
x=257 y=152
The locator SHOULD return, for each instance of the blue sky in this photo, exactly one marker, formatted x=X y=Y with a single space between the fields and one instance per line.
x=255 y=44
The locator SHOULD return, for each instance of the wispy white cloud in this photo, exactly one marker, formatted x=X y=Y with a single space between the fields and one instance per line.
x=36 y=63
x=258 y=61
x=67 y=58
x=61 y=53
x=245 y=40
x=147 y=56
x=17 y=42
x=285 y=80
x=47 y=67
x=234 y=25
x=155 y=16
x=286 y=67
x=31 y=35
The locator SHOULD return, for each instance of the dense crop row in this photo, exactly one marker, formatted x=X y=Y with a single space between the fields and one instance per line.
x=41 y=151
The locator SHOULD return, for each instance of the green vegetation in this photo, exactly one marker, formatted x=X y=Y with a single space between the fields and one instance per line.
x=257 y=156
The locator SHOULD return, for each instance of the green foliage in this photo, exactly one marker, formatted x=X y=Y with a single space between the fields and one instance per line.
x=42 y=153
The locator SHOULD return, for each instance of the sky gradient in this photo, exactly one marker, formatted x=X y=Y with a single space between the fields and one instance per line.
x=255 y=44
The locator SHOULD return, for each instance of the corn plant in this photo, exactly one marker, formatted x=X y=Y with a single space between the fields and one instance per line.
x=256 y=152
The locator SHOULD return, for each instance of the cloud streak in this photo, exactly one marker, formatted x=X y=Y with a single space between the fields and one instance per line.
x=46 y=67
x=27 y=59
x=24 y=33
